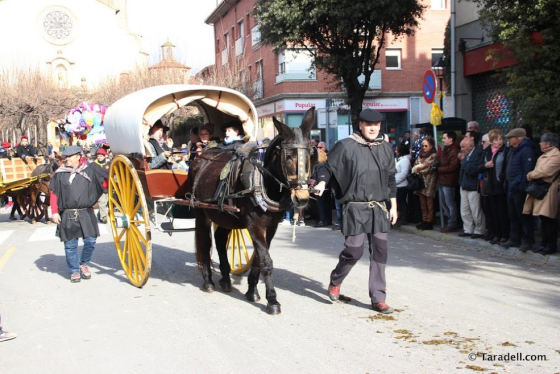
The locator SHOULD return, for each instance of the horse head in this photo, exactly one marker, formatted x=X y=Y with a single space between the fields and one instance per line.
x=295 y=157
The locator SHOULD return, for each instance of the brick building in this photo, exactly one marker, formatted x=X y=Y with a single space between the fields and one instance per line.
x=284 y=85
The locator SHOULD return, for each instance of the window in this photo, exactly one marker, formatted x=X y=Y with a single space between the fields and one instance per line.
x=295 y=64
x=393 y=59
x=436 y=54
x=438 y=4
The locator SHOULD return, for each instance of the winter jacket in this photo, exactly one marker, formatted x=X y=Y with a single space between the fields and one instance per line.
x=547 y=168
x=494 y=178
x=468 y=176
x=521 y=160
x=448 y=171
x=403 y=169
x=423 y=166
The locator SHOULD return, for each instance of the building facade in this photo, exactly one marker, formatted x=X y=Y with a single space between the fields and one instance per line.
x=78 y=42
x=284 y=84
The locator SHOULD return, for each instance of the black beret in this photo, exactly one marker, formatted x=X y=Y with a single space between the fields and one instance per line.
x=370 y=115
x=72 y=150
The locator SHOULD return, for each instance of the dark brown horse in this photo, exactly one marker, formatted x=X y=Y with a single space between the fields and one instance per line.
x=286 y=168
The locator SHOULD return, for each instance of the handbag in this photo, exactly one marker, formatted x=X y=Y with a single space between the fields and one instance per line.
x=538 y=188
x=415 y=182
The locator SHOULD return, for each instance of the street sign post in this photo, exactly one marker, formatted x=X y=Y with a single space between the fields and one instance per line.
x=429 y=86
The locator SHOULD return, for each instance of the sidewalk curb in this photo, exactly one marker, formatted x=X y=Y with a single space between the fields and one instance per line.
x=553 y=260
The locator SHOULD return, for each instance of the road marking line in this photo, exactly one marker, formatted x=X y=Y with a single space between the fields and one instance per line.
x=49 y=233
x=42 y=234
x=6 y=256
x=4 y=235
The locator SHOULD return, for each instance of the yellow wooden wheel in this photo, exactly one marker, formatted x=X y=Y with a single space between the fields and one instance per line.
x=129 y=220
x=240 y=251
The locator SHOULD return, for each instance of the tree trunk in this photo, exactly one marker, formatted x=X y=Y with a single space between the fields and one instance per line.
x=42 y=136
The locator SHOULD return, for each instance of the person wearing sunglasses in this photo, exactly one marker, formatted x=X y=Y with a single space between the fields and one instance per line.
x=423 y=166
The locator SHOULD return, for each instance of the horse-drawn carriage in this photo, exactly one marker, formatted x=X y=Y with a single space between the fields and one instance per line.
x=275 y=173
x=26 y=182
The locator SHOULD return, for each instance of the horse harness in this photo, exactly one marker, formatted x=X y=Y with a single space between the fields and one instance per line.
x=252 y=175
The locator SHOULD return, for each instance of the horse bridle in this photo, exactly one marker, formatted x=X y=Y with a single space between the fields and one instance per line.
x=303 y=163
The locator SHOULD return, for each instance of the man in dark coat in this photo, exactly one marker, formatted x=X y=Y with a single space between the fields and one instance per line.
x=520 y=161
x=361 y=168
x=471 y=208
x=160 y=156
x=24 y=149
x=448 y=179
x=75 y=188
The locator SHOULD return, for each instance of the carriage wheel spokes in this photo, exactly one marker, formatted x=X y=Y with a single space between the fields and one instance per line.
x=129 y=220
x=240 y=251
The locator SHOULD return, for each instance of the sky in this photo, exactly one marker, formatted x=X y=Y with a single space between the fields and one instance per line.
x=180 y=21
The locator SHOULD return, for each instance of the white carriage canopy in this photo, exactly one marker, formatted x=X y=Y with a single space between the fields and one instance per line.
x=128 y=120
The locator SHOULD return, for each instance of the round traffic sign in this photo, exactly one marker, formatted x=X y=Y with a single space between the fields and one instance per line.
x=429 y=86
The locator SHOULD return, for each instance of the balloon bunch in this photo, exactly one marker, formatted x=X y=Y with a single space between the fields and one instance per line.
x=83 y=121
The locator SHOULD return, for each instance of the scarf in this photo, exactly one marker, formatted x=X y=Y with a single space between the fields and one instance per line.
x=360 y=140
x=74 y=171
x=426 y=154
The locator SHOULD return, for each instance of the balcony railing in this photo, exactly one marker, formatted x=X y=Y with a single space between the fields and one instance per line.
x=225 y=55
x=296 y=75
x=239 y=47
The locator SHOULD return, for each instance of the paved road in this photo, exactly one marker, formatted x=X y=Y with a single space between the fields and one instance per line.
x=451 y=300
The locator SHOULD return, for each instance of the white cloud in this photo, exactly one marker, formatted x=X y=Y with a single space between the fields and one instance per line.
x=180 y=21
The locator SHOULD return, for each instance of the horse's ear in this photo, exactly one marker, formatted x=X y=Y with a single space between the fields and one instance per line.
x=308 y=122
x=282 y=128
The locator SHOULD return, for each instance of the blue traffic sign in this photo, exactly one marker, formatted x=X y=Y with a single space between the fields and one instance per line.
x=429 y=86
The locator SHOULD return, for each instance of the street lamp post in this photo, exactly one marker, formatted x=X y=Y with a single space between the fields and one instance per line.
x=439 y=70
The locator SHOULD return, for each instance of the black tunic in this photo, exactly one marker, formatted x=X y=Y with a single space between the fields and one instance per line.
x=360 y=174
x=75 y=201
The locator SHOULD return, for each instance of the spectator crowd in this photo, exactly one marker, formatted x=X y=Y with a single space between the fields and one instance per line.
x=483 y=186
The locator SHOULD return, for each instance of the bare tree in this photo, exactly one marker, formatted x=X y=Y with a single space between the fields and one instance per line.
x=29 y=99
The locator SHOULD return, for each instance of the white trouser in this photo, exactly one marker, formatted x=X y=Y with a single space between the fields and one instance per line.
x=471 y=212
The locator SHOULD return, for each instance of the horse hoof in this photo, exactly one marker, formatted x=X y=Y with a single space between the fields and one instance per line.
x=33 y=222
x=273 y=309
x=252 y=296
x=225 y=285
x=48 y=223
x=208 y=287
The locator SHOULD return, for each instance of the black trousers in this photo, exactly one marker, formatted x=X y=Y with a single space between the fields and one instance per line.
x=522 y=227
x=499 y=218
x=549 y=232
x=353 y=251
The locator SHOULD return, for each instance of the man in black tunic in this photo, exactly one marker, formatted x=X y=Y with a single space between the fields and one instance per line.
x=361 y=168
x=75 y=188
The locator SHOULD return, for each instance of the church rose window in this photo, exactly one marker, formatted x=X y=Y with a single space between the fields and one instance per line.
x=58 y=25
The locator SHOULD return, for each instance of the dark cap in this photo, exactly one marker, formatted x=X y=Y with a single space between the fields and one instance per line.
x=72 y=150
x=370 y=115
x=208 y=127
x=158 y=125
x=235 y=124
x=516 y=133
